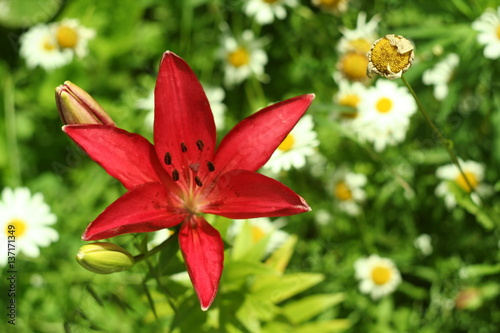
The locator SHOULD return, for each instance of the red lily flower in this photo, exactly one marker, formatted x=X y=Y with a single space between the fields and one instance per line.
x=183 y=175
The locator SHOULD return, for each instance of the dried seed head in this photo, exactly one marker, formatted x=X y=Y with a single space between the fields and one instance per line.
x=390 y=56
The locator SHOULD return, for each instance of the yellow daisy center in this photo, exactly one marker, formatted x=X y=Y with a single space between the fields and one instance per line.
x=498 y=31
x=353 y=66
x=257 y=234
x=360 y=45
x=67 y=37
x=270 y=1
x=330 y=3
x=351 y=100
x=390 y=56
x=342 y=191
x=384 y=105
x=48 y=45
x=18 y=227
x=381 y=275
x=287 y=144
x=239 y=57
x=471 y=177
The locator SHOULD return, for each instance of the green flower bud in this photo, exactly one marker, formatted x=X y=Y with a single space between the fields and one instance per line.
x=76 y=106
x=104 y=258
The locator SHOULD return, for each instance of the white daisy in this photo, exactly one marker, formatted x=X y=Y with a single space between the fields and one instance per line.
x=71 y=35
x=215 y=96
x=440 y=75
x=378 y=276
x=332 y=6
x=39 y=48
x=159 y=237
x=260 y=228
x=347 y=189
x=348 y=98
x=297 y=145
x=243 y=58
x=361 y=38
x=424 y=244
x=264 y=11
x=384 y=114
x=28 y=218
x=474 y=172
x=488 y=26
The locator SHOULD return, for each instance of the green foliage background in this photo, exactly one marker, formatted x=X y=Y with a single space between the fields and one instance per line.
x=56 y=295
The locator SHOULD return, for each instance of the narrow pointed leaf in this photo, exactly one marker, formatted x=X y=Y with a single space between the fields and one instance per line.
x=251 y=142
x=243 y=194
x=309 y=307
x=142 y=209
x=203 y=252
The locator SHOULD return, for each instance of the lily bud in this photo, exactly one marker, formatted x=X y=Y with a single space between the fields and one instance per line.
x=76 y=106
x=104 y=258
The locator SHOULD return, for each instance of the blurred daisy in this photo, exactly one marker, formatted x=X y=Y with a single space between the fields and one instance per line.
x=297 y=145
x=361 y=38
x=71 y=35
x=348 y=98
x=348 y=191
x=378 y=276
x=264 y=11
x=260 y=228
x=159 y=237
x=243 y=58
x=384 y=114
x=440 y=75
x=352 y=66
x=28 y=218
x=332 y=6
x=215 y=97
x=39 y=48
x=424 y=244
x=488 y=26
x=474 y=172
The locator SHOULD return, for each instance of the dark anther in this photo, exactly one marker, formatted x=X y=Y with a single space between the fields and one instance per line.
x=200 y=145
x=211 y=166
x=198 y=182
x=167 y=159
x=175 y=175
x=183 y=147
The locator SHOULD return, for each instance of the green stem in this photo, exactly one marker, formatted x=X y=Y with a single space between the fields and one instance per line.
x=447 y=143
x=10 y=130
x=142 y=256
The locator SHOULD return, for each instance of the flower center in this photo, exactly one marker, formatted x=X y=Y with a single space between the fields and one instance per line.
x=330 y=3
x=384 y=105
x=239 y=57
x=498 y=31
x=360 y=45
x=18 y=228
x=48 y=45
x=353 y=66
x=342 y=191
x=350 y=100
x=257 y=234
x=471 y=177
x=287 y=144
x=66 y=37
x=270 y=1
x=381 y=275
x=391 y=55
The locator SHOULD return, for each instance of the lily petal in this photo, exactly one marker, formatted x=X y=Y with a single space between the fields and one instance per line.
x=142 y=209
x=203 y=252
x=252 y=141
x=128 y=157
x=182 y=115
x=243 y=194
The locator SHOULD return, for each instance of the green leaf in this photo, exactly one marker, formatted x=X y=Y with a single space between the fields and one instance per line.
x=245 y=247
x=280 y=288
x=281 y=257
x=239 y=271
x=311 y=306
x=326 y=326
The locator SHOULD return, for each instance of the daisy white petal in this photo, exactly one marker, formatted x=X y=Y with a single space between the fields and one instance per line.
x=488 y=27
x=378 y=276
